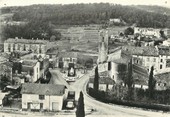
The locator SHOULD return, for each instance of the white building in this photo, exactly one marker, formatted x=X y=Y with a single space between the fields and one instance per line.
x=43 y=96
x=147 y=31
x=32 y=68
x=25 y=45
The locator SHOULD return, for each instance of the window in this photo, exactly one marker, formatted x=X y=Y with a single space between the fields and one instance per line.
x=160 y=66
x=41 y=97
x=158 y=84
x=164 y=84
x=24 y=49
x=50 y=56
x=161 y=60
x=154 y=59
x=109 y=66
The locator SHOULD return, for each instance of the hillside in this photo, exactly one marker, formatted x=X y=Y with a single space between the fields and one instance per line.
x=84 y=14
x=156 y=9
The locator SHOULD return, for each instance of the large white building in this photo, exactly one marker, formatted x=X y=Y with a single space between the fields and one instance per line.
x=150 y=31
x=158 y=57
x=41 y=97
x=25 y=45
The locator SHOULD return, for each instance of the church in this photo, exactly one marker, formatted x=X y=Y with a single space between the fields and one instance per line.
x=115 y=63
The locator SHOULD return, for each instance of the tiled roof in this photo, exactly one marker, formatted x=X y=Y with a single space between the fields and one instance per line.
x=52 y=51
x=145 y=51
x=140 y=75
x=43 y=89
x=30 y=63
x=103 y=80
x=164 y=50
x=26 y=41
x=26 y=68
x=68 y=54
x=163 y=77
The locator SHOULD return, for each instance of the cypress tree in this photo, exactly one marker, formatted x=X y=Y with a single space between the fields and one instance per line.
x=151 y=83
x=80 y=108
x=96 y=79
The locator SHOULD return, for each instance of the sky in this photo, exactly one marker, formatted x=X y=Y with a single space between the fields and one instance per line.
x=3 y=3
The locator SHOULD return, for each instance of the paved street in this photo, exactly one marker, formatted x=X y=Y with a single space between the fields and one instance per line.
x=102 y=108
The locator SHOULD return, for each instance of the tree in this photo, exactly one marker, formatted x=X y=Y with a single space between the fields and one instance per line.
x=130 y=77
x=19 y=67
x=96 y=79
x=48 y=75
x=129 y=31
x=151 y=83
x=80 y=108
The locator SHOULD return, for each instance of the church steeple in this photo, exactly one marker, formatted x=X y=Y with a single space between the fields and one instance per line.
x=103 y=47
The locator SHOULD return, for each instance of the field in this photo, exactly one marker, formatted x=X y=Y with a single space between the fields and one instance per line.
x=85 y=38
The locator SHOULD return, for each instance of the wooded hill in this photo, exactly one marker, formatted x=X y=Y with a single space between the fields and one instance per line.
x=83 y=14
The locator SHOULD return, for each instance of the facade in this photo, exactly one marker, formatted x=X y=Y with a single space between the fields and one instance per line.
x=158 y=56
x=32 y=69
x=6 y=70
x=105 y=82
x=147 y=31
x=42 y=97
x=166 y=42
x=25 y=45
x=67 y=59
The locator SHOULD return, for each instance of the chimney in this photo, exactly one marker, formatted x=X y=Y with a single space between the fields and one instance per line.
x=37 y=38
x=16 y=37
x=32 y=38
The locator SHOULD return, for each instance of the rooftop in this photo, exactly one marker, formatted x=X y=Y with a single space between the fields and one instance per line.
x=68 y=54
x=43 y=89
x=30 y=63
x=140 y=75
x=26 y=41
x=164 y=50
x=163 y=77
x=144 y=51
x=103 y=80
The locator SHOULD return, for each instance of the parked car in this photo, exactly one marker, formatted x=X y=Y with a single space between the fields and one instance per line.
x=70 y=104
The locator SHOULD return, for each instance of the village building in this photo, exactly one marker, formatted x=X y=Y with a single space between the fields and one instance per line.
x=115 y=63
x=143 y=59
x=43 y=97
x=25 y=45
x=105 y=82
x=32 y=68
x=150 y=32
x=67 y=59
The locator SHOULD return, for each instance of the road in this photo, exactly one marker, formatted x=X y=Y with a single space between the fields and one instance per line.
x=103 y=109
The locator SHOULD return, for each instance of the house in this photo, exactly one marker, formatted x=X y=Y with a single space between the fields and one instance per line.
x=166 y=42
x=42 y=97
x=147 y=31
x=162 y=81
x=3 y=100
x=140 y=77
x=158 y=56
x=67 y=59
x=6 y=70
x=25 y=45
x=105 y=82
x=52 y=54
x=32 y=68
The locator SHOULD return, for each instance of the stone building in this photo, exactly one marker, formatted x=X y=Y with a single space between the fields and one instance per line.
x=25 y=45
